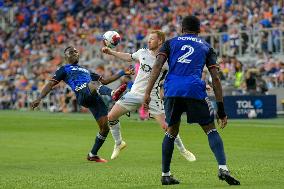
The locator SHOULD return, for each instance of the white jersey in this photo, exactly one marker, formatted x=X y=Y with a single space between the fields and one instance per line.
x=146 y=60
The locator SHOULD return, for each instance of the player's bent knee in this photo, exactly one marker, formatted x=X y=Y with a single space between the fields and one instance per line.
x=116 y=112
x=112 y=117
x=207 y=128
x=173 y=130
x=104 y=129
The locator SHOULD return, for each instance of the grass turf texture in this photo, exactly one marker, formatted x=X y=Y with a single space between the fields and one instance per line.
x=48 y=150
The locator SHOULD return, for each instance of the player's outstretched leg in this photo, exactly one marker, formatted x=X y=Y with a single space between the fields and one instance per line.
x=100 y=139
x=167 y=152
x=178 y=142
x=114 y=125
x=189 y=156
x=216 y=145
x=114 y=94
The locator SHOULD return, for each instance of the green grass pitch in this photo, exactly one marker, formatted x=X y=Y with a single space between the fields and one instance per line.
x=48 y=150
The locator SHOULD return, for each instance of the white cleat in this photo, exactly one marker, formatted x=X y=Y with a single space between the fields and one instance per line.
x=188 y=155
x=117 y=150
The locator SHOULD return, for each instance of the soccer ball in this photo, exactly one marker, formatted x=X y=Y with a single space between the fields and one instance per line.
x=111 y=39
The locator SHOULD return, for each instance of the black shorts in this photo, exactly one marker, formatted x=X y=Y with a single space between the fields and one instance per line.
x=94 y=102
x=197 y=111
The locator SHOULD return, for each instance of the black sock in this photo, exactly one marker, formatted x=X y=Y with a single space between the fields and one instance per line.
x=167 y=152
x=98 y=144
x=216 y=145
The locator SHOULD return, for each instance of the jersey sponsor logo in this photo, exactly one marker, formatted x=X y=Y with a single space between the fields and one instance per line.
x=190 y=39
x=78 y=88
x=80 y=69
x=184 y=58
x=146 y=68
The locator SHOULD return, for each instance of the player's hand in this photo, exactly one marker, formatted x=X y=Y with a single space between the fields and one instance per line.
x=106 y=50
x=222 y=122
x=129 y=71
x=146 y=102
x=35 y=103
x=208 y=88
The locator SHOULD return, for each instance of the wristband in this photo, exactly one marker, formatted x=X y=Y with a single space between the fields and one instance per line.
x=220 y=111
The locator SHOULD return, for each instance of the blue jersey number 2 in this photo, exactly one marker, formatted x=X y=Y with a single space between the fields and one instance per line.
x=183 y=58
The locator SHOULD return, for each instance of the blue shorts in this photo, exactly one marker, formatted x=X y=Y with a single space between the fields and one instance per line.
x=94 y=102
x=197 y=111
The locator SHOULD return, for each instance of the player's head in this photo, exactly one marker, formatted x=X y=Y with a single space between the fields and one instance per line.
x=190 y=24
x=155 y=39
x=71 y=55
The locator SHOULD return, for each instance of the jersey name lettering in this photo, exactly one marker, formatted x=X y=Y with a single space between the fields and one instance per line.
x=190 y=38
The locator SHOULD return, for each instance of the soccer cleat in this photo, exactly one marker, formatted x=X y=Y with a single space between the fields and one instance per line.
x=188 y=155
x=96 y=159
x=225 y=175
x=118 y=92
x=117 y=149
x=169 y=180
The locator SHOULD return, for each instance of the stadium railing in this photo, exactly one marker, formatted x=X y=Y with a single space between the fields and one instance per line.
x=242 y=42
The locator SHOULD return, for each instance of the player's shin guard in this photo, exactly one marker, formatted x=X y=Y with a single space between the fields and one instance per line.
x=115 y=131
x=167 y=152
x=103 y=90
x=216 y=145
x=98 y=144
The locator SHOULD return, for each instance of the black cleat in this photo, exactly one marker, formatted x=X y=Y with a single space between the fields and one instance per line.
x=225 y=175
x=169 y=180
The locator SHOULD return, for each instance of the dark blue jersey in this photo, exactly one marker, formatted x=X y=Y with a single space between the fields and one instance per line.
x=187 y=55
x=75 y=76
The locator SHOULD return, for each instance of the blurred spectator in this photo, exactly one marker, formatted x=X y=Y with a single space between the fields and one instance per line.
x=34 y=34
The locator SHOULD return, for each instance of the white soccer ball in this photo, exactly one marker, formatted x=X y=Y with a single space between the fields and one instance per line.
x=111 y=39
x=252 y=114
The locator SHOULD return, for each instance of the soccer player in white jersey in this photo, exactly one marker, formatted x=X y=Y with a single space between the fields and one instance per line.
x=132 y=100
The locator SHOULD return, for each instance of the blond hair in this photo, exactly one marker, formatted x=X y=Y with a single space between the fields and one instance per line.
x=161 y=35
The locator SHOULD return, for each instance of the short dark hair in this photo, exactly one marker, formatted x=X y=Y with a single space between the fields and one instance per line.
x=191 y=24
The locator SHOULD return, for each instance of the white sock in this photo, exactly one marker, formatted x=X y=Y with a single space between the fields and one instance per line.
x=179 y=144
x=91 y=155
x=115 y=131
x=166 y=174
x=224 y=167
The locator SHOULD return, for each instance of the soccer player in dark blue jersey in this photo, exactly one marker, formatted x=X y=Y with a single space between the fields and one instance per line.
x=87 y=86
x=185 y=91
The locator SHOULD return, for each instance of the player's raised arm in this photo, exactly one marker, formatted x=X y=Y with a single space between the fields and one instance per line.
x=47 y=88
x=217 y=87
x=59 y=75
x=121 y=55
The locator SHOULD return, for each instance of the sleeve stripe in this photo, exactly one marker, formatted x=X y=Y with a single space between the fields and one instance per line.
x=163 y=54
x=54 y=80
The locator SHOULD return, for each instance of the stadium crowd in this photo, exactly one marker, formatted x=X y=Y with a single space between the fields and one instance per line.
x=36 y=32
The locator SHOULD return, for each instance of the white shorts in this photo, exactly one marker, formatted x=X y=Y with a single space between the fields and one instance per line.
x=132 y=101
